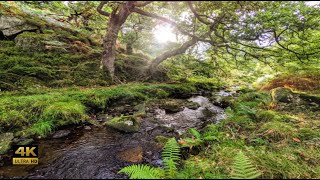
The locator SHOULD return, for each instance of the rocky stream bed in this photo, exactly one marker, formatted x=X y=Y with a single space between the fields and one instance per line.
x=100 y=151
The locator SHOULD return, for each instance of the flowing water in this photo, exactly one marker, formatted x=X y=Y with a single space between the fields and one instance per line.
x=101 y=152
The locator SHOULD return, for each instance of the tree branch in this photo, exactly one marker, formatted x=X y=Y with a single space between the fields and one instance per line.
x=99 y=8
x=196 y=14
x=141 y=4
x=171 y=53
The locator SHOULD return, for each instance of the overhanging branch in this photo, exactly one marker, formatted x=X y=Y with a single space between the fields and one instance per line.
x=99 y=8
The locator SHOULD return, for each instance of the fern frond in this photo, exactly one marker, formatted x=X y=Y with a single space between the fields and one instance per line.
x=195 y=133
x=142 y=172
x=170 y=156
x=243 y=168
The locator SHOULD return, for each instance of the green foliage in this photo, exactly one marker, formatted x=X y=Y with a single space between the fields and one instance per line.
x=20 y=110
x=41 y=128
x=243 y=168
x=199 y=140
x=170 y=156
x=138 y=171
x=276 y=131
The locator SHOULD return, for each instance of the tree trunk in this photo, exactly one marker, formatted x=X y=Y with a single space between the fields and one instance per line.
x=109 y=41
x=109 y=46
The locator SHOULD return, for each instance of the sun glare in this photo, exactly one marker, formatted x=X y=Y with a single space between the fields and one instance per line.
x=164 y=33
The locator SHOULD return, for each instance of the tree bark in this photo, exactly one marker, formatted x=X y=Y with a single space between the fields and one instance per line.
x=171 y=53
x=109 y=41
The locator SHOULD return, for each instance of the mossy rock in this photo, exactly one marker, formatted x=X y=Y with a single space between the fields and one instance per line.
x=125 y=123
x=172 y=105
x=192 y=105
x=206 y=112
x=282 y=94
x=223 y=101
x=5 y=142
x=161 y=140
x=30 y=41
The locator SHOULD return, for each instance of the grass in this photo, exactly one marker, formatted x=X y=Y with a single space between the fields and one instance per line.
x=280 y=144
x=43 y=111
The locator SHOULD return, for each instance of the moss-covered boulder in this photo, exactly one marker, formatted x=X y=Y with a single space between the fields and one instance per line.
x=5 y=142
x=192 y=105
x=222 y=101
x=50 y=42
x=176 y=105
x=282 y=94
x=30 y=41
x=11 y=25
x=172 y=105
x=125 y=123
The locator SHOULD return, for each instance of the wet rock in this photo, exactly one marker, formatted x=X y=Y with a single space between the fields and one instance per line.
x=131 y=155
x=125 y=123
x=103 y=117
x=23 y=141
x=10 y=25
x=282 y=94
x=176 y=105
x=61 y=134
x=5 y=142
x=172 y=105
x=140 y=110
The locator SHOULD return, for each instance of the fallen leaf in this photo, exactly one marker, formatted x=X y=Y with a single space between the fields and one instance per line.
x=296 y=140
x=181 y=141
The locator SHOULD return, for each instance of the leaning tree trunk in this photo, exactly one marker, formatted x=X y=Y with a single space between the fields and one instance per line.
x=109 y=41
x=168 y=54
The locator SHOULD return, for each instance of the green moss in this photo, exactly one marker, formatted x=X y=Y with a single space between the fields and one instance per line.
x=5 y=142
x=281 y=94
x=69 y=106
x=276 y=131
x=267 y=115
x=125 y=123
x=205 y=83
x=161 y=139
x=63 y=113
x=41 y=128
x=308 y=133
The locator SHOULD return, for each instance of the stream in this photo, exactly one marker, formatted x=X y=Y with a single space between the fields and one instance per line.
x=98 y=151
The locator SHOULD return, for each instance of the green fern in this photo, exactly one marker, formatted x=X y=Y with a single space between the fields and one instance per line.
x=141 y=171
x=195 y=133
x=170 y=156
x=243 y=168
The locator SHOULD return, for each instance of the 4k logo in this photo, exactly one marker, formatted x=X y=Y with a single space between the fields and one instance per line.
x=25 y=155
